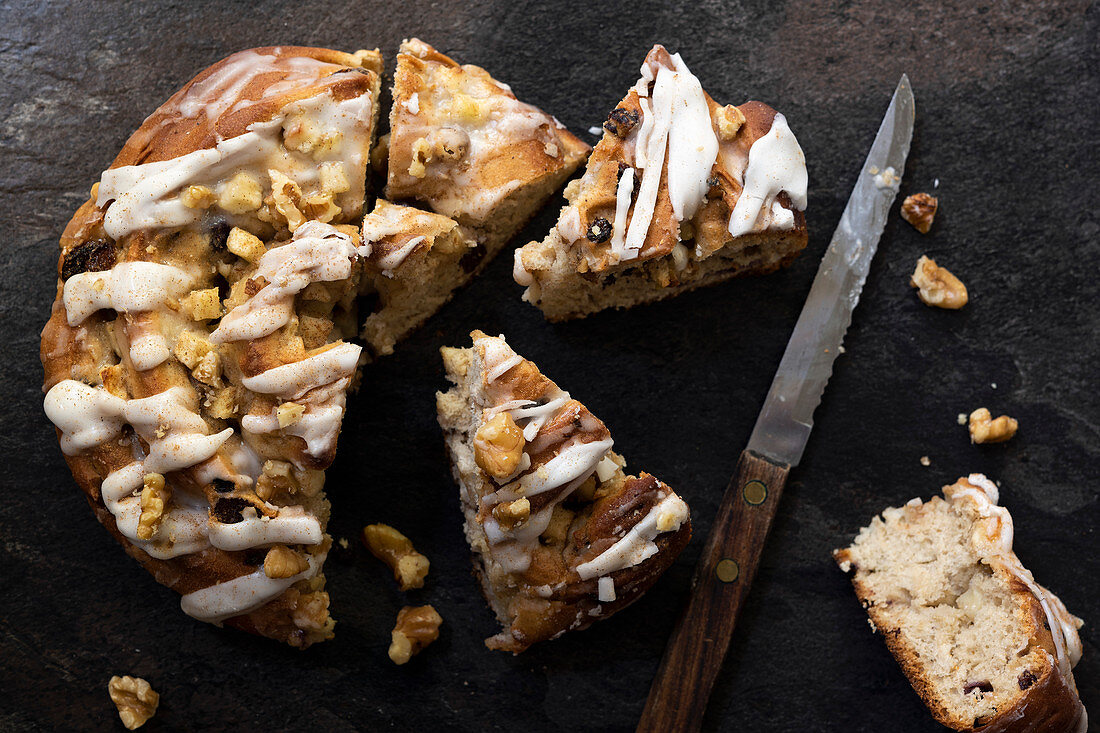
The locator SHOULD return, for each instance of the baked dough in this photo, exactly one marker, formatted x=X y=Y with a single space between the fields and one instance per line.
x=562 y=537
x=985 y=646
x=195 y=361
x=679 y=193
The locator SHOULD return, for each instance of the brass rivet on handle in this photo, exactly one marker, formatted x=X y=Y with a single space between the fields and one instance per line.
x=755 y=492
x=727 y=570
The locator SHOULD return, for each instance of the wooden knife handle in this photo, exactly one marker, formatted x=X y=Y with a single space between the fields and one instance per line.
x=678 y=698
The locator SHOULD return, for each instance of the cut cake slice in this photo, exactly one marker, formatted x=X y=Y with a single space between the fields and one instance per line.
x=462 y=144
x=561 y=536
x=680 y=193
x=983 y=644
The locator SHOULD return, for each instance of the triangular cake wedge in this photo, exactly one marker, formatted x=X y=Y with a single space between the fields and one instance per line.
x=679 y=193
x=561 y=536
x=417 y=260
x=464 y=146
x=195 y=361
x=983 y=644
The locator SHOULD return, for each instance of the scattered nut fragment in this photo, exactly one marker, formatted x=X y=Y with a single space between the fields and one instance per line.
x=621 y=121
x=984 y=429
x=416 y=628
x=209 y=369
x=925 y=461
x=135 y=699
x=936 y=286
x=512 y=513
x=498 y=446
x=154 y=495
x=396 y=550
x=283 y=562
x=244 y=244
x=961 y=419
x=919 y=210
x=202 y=305
x=729 y=119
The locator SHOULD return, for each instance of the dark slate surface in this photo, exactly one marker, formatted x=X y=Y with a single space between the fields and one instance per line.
x=1007 y=100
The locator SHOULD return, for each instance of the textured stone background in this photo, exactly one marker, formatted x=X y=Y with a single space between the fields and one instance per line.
x=1007 y=122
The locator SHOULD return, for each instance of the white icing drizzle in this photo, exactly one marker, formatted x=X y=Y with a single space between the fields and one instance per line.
x=148 y=350
x=994 y=534
x=87 y=416
x=291 y=381
x=650 y=155
x=177 y=435
x=393 y=260
x=502 y=367
x=606 y=589
x=182 y=529
x=147 y=196
x=127 y=287
x=520 y=273
x=234 y=597
x=292 y=526
x=623 y=191
x=637 y=545
x=692 y=144
x=412 y=104
x=318 y=426
x=776 y=163
x=575 y=460
x=318 y=252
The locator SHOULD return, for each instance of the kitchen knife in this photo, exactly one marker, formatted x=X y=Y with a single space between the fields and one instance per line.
x=678 y=698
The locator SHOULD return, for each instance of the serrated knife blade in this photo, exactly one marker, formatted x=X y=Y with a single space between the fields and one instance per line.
x=787 y=417
x=727 y=565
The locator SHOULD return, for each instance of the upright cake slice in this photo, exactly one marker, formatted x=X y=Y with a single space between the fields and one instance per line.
x=461 y=143
x=983 y=644
x=562 y=537
x=679 y=193
x=417 y=260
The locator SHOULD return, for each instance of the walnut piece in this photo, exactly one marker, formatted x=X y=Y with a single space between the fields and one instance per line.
x=154 y=496
x=919 y=210
x=245 y=245
x=197 y=197
x=512 y=513
x=938 y=287
x=984 y=429
x=289 y=413
x=283 y=562
x=275 y=476
x=135 y=699
x=729 y=119
x=396 y=550
x=202 y=305
x=241 y=194
x=498 y=446
x=416 y=628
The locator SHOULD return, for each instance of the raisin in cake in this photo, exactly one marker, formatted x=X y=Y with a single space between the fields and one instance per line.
x=562 y=537
x=680 y=193
x=195 y=360
x=464 y=146
x=985 y=646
